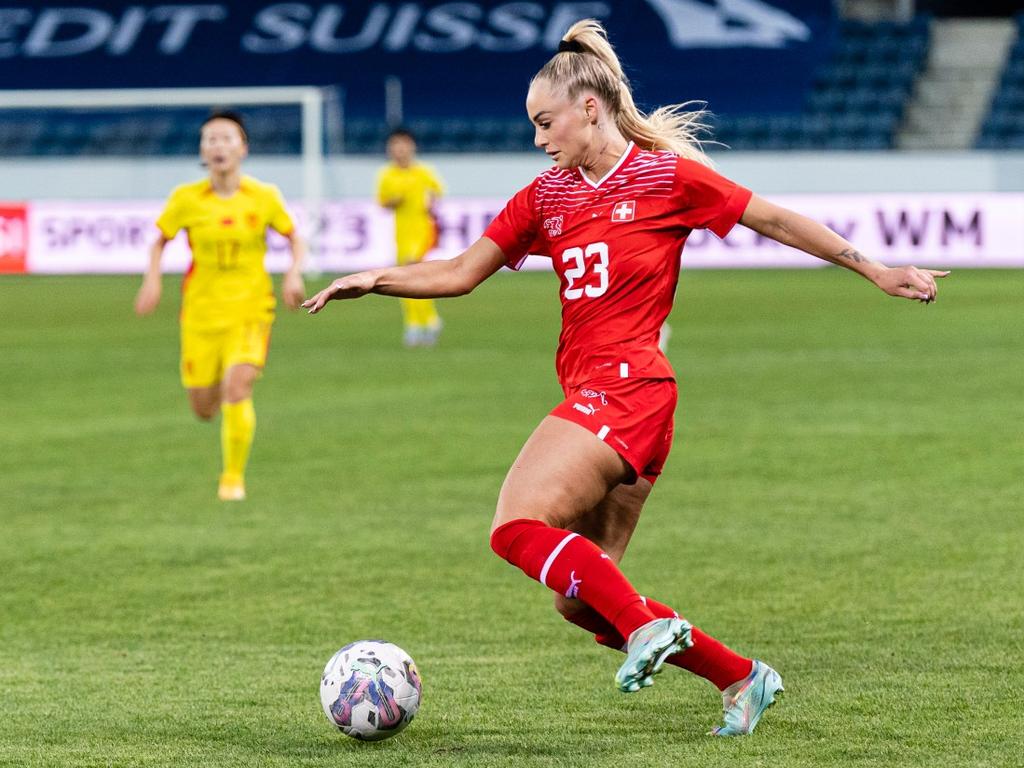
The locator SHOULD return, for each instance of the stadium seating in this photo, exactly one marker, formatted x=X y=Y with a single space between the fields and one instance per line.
x=1004 y=126
x=856 y=102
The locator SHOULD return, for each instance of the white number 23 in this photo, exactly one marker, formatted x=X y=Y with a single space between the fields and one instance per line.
x=599 y=267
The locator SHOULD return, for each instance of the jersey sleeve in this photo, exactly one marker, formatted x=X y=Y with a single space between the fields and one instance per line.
x=385 y=186
x=434 y=184
x=515 y=229
x=170 y=220
x=708 y=200
x=278 y=217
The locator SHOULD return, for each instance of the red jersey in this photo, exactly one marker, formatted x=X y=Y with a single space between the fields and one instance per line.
x=616 y=246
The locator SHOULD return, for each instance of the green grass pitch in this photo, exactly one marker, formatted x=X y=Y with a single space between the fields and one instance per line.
x=844 y=501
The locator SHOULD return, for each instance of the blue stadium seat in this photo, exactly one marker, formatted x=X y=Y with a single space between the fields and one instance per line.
x=856 y=101
x=1004 y=126
x=860 y=97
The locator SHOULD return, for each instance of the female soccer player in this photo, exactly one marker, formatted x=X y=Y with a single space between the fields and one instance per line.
x=227 y=304
x=410 y=189
x=613 y=215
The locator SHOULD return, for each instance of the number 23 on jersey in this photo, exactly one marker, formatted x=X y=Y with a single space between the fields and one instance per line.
x=581 y=281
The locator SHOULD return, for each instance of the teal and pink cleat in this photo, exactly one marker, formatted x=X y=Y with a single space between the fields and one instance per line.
x=744 y=702
x=647 y=650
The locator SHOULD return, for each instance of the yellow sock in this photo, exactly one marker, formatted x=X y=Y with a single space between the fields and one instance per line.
x=409 y=312
x=238 y=424
x=428 y=313
x=421 y=313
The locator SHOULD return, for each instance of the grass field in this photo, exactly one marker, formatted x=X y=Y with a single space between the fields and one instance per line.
x=844 y=501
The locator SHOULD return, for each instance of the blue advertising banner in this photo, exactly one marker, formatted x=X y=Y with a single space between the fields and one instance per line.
x=454 y=58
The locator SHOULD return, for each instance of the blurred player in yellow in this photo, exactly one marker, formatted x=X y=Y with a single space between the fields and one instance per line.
x=410 y=189
x=227 y=304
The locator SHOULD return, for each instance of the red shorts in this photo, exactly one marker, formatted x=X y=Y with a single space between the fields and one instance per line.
x=634 y=416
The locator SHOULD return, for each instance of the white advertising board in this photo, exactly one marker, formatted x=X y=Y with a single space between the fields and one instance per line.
x=933 y=230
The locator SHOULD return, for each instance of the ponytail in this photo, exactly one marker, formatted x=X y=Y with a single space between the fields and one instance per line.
x=587 y=61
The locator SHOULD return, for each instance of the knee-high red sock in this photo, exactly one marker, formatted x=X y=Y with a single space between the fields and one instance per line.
x=575 y=567
x=708 y=658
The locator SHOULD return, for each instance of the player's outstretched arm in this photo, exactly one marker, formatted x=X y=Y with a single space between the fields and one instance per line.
x=423 y=280
x=791 y=228
x=148 y=297
x=293 y=289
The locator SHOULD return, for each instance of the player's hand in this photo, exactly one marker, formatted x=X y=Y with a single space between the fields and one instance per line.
x=910 y=283
x=148 y=297
x=293 y=289
x=350 y=287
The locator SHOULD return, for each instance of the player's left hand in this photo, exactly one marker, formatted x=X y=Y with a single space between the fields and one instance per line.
x=293 y=290
x=349 y=287
x=910 y=283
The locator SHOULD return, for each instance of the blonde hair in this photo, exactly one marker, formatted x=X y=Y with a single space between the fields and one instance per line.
x=592 y=65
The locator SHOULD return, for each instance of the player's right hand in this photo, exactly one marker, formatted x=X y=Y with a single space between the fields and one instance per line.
x=350 y=287
x=148 y=297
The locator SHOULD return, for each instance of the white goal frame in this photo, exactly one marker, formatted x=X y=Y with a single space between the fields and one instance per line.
x=310 y=100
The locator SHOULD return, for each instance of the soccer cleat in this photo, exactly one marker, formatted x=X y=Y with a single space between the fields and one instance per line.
x=412 y=336
x=745 y=701
x=231 y=490
x=647 y=650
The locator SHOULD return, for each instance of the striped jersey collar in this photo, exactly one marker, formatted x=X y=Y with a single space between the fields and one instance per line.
x=628 y=154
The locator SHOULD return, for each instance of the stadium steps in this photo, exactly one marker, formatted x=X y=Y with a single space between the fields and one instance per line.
x=1004 y=126
x=951 y=97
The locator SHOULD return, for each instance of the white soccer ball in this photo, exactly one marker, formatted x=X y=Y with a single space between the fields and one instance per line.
x=370 y=690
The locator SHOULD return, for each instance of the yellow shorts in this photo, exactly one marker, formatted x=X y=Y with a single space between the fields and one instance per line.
x=413 y=246
x=206 y=355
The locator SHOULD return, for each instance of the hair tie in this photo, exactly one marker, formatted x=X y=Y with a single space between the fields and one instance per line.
x=570 y=46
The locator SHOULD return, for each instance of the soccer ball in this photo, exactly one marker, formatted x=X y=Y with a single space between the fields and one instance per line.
x=370 y=690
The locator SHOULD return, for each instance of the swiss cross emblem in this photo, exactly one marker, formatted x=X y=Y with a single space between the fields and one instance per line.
x=624 y=211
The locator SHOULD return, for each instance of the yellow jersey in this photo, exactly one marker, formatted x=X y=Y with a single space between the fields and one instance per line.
x=228 y=281
x=416 y=187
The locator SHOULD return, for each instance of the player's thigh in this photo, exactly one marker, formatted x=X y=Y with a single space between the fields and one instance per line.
x=201 y=358
x=561 y=473
x=611 y=522
x=204 y=401
x=201 y=370
x=245 y=354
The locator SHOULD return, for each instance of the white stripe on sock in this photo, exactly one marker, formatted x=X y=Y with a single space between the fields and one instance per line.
x=551 y=558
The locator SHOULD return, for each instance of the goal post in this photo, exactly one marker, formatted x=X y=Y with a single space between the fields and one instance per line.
x=309 y=99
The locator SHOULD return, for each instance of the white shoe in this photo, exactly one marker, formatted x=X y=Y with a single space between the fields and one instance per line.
x=745 y=701
x=231 y=490
x=647 y=650
x=413 y=336
x=431 y=333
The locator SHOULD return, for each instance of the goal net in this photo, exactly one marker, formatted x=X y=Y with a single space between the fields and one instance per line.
x=77 y=153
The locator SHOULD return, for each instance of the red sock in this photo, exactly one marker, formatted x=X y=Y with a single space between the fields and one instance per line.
x=575 y=567
x=708 y=658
